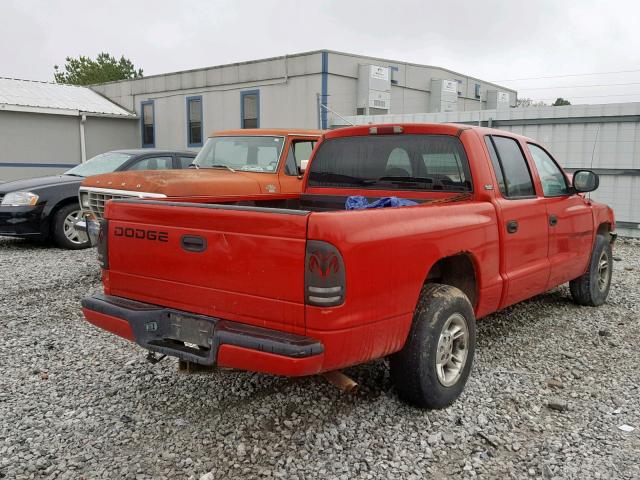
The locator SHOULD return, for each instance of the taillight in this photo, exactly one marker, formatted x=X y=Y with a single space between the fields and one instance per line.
x=324 y=277
x=103 y=244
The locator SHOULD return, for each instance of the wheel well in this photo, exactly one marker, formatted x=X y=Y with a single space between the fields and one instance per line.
x=54 y=210
x=604 y=229
x=457 y=271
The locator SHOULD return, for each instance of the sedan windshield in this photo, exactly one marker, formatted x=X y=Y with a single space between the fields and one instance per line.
x=248 y=154
x=104 y=163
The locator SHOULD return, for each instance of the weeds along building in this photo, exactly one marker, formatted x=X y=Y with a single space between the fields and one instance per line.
x=178 y=110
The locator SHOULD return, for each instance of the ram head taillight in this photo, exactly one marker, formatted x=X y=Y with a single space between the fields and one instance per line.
x=103 y=243
x=324 y=277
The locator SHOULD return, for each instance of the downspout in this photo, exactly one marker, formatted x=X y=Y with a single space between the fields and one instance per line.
x=324 y=95
x=286 y=68
x=83 y=147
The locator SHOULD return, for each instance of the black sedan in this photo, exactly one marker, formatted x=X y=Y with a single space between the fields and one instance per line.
x=47 y=207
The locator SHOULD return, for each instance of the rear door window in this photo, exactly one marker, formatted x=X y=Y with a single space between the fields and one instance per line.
x=392 y=162
x=518 y=182
x=153 y=163
x=185 y=161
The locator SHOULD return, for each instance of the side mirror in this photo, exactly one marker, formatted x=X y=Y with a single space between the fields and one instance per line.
x=585 y=181
x=303 y=166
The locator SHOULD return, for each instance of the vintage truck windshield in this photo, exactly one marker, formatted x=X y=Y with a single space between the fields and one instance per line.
x=392 y=162
x=249 y=154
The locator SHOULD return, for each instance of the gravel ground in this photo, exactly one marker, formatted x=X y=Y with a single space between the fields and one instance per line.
x=552 y=384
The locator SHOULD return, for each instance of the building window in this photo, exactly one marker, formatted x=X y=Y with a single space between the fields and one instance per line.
x=148 y=124
x=250 y=109
x=394 y=75
x=194 y=121
x=477 y=90
x=459 y=87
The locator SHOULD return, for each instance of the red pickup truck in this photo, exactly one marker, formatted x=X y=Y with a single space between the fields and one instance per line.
x=298 y=285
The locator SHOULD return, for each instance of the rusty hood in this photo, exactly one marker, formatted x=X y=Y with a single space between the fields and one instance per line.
x=182 y=183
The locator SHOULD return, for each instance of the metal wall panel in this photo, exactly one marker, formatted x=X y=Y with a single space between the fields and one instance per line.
x=33 y=138
x=604 y=137
x=106 y=134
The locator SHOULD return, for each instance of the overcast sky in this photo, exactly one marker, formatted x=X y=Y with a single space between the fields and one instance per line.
x=490 y=39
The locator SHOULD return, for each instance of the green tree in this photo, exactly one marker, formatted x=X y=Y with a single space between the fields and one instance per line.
x=560 y=102
x=86 y=71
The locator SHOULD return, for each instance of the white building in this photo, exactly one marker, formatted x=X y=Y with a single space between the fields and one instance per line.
x=46 y=128
x=180 y=109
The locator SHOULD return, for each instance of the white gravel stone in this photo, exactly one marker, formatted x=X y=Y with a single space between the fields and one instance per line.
x=103 y=412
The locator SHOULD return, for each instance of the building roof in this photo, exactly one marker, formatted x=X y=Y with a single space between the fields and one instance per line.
x=312 y=52
x=45 y=97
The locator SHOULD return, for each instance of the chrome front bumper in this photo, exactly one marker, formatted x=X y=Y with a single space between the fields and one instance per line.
x=91 y=228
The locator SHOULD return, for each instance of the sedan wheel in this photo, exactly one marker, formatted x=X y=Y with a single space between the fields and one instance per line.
x=65 y=229
x=74 y=235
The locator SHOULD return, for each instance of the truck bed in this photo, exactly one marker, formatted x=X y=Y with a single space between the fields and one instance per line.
x=305 y=203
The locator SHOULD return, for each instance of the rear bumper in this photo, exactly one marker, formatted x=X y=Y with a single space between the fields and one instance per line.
x=205 y=340
x=21 y=221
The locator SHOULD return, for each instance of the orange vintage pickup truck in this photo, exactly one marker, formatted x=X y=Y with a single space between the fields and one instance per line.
x=231 y=163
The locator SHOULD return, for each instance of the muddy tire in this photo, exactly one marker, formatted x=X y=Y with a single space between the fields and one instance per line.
x=65 y=235
x=434 y=365
x=592 y=288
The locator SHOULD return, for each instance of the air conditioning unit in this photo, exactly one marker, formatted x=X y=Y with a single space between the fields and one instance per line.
x=497 y=100
x=374 y=90
x=444 y=95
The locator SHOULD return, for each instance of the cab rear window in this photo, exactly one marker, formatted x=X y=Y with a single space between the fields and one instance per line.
x=392 y=162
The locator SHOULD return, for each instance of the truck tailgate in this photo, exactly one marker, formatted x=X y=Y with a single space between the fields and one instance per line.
x=239 y=263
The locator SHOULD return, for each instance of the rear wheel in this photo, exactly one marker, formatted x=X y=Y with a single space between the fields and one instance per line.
x=65 y=233
x=592 y=288
x=434 y=365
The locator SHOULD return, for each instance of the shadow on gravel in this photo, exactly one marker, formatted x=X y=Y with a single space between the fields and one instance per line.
x=246 y=392
x=209 y=397
x=19 y=243
x=527 y=312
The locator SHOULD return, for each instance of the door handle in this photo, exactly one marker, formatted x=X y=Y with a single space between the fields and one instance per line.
x=553 y=220
x=193 y=243
x=512 y=226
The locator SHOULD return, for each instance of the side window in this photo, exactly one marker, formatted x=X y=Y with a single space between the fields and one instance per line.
x=553 y=180
x=496 y=165
x=298 y=151
x=153 y=163
x=517 y=178
x=399 y=164
x=185 y=161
